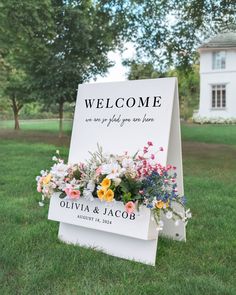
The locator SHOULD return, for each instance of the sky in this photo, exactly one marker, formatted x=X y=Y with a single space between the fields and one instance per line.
x=118 y=71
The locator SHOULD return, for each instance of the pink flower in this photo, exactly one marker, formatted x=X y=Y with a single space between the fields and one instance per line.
x=150 y=143
x=129 y=207
x=152 y=156
x=161 y=149
x=71 y=193
x=145 y=172
x=67 y=190
x=169 y=167
x=75 y=194
x=39 y=189
x=145 y=149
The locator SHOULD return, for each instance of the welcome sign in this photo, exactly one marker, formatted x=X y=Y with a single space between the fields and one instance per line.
x=122 y=116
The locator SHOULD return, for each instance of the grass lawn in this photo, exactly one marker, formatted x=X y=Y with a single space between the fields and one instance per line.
x=33 y=261
x=225 y=134
x=47 y=125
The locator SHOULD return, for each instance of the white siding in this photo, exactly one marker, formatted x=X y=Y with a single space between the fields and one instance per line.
x=226 y=76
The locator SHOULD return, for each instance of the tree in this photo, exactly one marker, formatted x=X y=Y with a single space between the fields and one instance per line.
x=70 y=48
x=189 y=87
x=16 y=88
x=141 y=71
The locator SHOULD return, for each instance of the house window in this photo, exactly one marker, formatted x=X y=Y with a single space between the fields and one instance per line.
x=218 y=96
x=218 y=60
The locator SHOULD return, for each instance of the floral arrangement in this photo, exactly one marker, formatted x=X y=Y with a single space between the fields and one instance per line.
x=134 y=180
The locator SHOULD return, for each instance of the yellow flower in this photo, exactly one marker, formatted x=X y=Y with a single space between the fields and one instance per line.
x=47 y=179
x=109 y=196
x=101 y=193
x=106 y=183
x=159 y=204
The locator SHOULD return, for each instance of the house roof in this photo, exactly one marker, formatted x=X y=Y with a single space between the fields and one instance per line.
x=222 y=40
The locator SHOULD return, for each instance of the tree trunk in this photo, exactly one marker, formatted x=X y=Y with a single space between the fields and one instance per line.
x=16 y=108
x=61 y=103
x=16 y=118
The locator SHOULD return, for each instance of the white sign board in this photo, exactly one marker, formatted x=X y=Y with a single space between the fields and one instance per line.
x=124 y=116
x=108 y=217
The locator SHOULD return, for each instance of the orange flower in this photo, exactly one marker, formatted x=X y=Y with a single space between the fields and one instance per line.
x=159 y=204
x=101 y=193
x=106 y=183
x=109 y=196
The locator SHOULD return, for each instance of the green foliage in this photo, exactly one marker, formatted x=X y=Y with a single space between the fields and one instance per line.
x=126 y=197
x=189 y=89
x=15 y=86
x=59 y=44
x=77 y=174
x=70 y=49
x=141 y=70
x=130 y=188
x=5 y=108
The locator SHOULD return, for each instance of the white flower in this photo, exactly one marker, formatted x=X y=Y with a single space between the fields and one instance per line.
x=61 y=185
x=169 y=215
x=41 y=204
x=43 y=173
x=59 y=170
x=188 y=214
x=117 y=181
x=91 y=186
x=54 y=158
x=127 y=163
x=73 y=181
x=112 y=170
x=57 y=152
x=154 y=201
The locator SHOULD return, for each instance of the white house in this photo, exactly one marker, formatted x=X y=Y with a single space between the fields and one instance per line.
x=217 y=80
